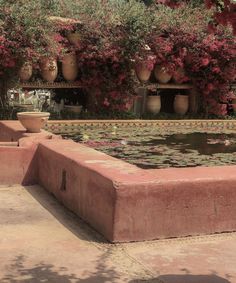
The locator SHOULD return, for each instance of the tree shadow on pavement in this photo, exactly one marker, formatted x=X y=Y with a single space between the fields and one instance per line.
x=21 y=271
x=67 y=218
x=186 y=278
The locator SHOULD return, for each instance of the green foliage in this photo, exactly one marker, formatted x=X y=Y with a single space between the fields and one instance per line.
x=130 y=19
x=188 y=18
x=26 y=23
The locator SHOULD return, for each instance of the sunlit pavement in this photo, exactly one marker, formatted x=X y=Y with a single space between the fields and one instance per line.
x=41 y=241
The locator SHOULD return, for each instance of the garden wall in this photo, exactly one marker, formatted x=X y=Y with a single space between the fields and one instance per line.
x=121 y=201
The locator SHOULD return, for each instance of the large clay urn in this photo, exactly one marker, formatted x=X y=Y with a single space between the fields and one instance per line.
x=142 y=71
x=162 y=75
x=49 y=69
x=25 y=72
x=153 y=104
x=33 y=121
x=181 y=104
x=69 y=67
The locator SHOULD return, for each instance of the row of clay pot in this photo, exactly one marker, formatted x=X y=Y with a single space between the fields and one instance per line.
x=160 y=72
x=181 y=104
x=49 y=69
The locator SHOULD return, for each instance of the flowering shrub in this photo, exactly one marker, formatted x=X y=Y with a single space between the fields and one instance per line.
x=209 y=59
x=6 y=58
x=27 y=30
x=115 y=33
x=224 y=12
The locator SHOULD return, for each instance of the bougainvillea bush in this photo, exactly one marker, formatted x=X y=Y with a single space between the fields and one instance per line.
x=113 y=34
x=224 y=12
x=176 y=38
x=180 y=41
x=27 y=29
x=26 y=34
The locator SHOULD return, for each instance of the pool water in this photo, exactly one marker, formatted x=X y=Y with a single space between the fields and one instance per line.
x=151 y=148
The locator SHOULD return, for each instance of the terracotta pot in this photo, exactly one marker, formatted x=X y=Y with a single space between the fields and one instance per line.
x=181 y=104
x=74 y=38
x=33 y=121
x=49 y=69
x=153 y=104
x=26 y=71
x=162 y=75
x=70 y=67
x=142 y=72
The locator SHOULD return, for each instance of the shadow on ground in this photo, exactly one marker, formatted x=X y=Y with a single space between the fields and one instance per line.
x=67 y=218
x=22 y=272
x=188 y=278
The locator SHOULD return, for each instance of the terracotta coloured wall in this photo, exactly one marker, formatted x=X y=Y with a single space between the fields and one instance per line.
x=120 y=200
x=17 y=165
x=18 y=161
x=10 y=131
x=81 y=189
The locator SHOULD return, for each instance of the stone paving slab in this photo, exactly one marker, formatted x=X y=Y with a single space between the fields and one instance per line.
x=41 y=241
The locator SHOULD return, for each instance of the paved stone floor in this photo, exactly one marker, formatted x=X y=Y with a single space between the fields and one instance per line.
x=41 y=241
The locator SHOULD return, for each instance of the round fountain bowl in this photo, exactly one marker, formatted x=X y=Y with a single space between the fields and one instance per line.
x=33 y=121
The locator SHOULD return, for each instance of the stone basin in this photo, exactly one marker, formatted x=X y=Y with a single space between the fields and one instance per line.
x=33 y=121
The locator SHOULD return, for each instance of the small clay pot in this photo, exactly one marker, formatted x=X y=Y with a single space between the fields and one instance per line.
x=142 y=71
x=162 y=75
x=70 y=67
x=181 y=104
x=153 y=104
x=49 y=69
x=25 y=72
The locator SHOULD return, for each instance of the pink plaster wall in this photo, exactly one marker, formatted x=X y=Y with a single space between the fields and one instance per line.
x=126 y=203
x=10 y=131
x=84 y=191
x=121 y=201
x=17 y=166
x=177 y=203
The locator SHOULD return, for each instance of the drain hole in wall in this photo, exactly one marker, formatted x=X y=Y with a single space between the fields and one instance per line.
x=63 y=181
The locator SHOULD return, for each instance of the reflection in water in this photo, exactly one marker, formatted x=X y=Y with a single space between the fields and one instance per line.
x=204 y=143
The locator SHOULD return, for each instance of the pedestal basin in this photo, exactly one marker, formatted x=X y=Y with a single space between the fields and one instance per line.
x=33 y=121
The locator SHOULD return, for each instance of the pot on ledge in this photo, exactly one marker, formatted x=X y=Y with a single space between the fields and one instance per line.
x=25 y=72
x=143 y=73
x=49 y=69
x=33 y=121
x=153 y=104
x=181 y=104
x=162 y=75
x=69 y=67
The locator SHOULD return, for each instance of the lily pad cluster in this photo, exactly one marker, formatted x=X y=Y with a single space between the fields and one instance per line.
x=155 y=147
